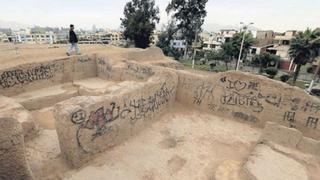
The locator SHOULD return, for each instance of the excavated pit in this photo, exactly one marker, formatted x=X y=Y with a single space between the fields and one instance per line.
x=134 y=114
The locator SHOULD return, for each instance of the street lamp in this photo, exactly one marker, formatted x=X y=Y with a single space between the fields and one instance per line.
x=245 y=27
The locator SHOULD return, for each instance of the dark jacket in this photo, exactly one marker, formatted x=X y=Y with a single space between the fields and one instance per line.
x=73 y=37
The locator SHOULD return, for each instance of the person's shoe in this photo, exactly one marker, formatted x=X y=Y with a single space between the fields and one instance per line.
x=68 y=54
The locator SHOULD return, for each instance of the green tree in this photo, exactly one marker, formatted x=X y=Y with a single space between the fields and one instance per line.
x=220 y=55
x=236 y=43
x=265 y=60
x=303 y=49
x=139 y=22
x=189 y=15
x=229 y=50
x=232 y=48
x=165 y=38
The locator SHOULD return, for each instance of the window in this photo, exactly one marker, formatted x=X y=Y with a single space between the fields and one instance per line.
x=254 y=51
x=285 y=42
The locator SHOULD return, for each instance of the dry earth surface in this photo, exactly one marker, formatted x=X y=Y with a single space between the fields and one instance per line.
x=183 y=144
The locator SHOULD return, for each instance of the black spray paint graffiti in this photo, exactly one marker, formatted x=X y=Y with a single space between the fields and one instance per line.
x=84 y=59
x=11 y=78
x=246 y=100
x=238 y=85
x=312 y=122
x=99 y=121
x=139 y=70
x=241 y=93
x=203 y=91
x=248 y=95
x=311 y=107
x=290 y=116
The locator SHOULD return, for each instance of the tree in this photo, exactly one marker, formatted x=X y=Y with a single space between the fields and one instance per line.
x=265 y=60
x=190 y=16
x=236 y=43
x=165 y=39
x=232 y=48
x=303 y=49
x=140 y=21
x=220 y=55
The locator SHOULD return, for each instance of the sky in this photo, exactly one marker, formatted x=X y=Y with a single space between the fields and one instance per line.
x=278 y=15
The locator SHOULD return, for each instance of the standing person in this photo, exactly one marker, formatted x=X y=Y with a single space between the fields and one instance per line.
x=73 y=40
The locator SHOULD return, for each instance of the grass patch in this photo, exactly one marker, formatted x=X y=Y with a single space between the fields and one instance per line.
x=300 y=84
x=204 y=67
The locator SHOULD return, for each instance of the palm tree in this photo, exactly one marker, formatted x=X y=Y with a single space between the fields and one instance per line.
x=303 y=49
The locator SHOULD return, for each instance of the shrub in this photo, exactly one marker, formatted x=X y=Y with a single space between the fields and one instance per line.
x=272 y=72
x=285 y=78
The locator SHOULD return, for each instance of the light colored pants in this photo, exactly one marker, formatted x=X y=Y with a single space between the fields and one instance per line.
x=74 y=47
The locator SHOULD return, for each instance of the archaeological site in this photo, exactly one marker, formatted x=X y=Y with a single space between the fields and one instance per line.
x=132 y=114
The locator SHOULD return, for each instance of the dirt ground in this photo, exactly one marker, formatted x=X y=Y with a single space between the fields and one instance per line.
x=184 y=144
x=12 y=55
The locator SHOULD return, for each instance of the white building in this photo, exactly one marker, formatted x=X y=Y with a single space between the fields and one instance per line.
x=3 y=37
x=225 y=35
x=27 y=37
x=210 y=41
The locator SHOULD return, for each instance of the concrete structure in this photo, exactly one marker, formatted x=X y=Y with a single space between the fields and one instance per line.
x=104 y=101
x=105 y=37
x=225 y=35
x=210 y=41
x=213 y=41
x=263 y=41
x=3 y=38
x=29 y=38
x=282 y=44
x=281 y=48
x=155 y=37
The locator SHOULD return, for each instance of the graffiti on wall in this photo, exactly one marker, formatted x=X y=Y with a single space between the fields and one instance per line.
x=99 y=121
x=15 y=77
x=241 y=93
x=205 y=90
x=83 y=59
x=139 y=71
x=104 y=68
x=229 y=92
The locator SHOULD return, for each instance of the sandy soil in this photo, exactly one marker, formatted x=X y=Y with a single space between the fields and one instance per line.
x=12 y=55
x=185 y=144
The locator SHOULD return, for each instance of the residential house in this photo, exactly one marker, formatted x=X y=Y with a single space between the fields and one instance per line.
x=281 y=48
x=225 y=35
x=3 y=38
x=263 y=41
x=27 y=37
x=210 y=41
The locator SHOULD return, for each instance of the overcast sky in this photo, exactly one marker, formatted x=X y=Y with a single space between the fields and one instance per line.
x=279 y=15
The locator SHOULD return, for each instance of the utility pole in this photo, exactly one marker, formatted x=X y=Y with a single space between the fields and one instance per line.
x=245 y=27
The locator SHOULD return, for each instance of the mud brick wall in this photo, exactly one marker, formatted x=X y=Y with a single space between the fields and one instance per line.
x=127 y=70
x=89 y=125
x=251 y=99
x=13 y=163
x=33 y=76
